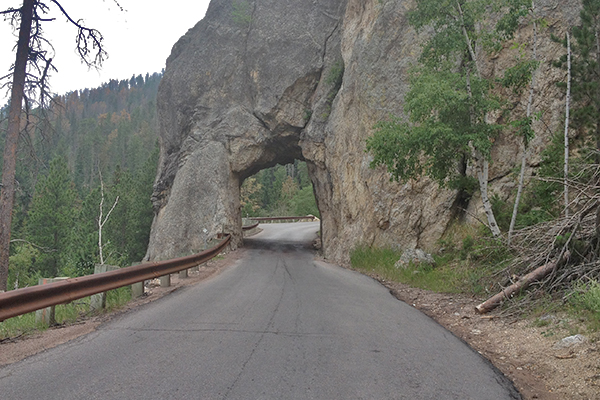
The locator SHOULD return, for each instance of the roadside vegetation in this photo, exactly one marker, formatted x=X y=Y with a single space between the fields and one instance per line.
x=549 y=229
x=65 y=314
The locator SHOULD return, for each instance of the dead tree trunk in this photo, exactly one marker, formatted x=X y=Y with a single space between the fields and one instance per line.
x=12 y=138
x=566 y=136
x=523 y=283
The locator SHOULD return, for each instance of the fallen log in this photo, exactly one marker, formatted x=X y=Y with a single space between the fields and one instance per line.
x=523 y=283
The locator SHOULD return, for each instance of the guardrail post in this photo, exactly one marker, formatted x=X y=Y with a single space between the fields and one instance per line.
x=165 y=281
x=183 y=274
x=47 y=315
x=137 y=289
x=26 y=300
x=98 y=301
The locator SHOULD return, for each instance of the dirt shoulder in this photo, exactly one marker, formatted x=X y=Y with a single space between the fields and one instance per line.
x=529 y=355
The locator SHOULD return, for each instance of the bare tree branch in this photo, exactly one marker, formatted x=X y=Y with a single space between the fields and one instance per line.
x=43 y=249
x=86 y=38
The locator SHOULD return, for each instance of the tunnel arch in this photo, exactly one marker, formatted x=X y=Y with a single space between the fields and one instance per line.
x=234 y=100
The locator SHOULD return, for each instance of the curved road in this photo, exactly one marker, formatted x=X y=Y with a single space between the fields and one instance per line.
x=276 y=325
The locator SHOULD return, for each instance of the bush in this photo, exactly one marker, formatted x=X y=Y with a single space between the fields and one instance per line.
x=585 y=300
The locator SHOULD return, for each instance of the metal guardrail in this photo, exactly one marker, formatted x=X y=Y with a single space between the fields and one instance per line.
x=22 y=301
x=249 y=227
x=267 y=219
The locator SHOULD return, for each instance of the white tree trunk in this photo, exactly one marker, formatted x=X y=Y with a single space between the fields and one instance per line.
x=482 y=177
x=102 y=220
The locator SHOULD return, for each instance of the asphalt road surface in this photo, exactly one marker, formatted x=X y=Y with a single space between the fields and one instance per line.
x=276 y=325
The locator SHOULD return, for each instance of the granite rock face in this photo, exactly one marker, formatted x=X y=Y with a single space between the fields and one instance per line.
x=261 y=82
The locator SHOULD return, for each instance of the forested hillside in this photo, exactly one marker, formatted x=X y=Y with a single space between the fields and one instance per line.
x=88 y=137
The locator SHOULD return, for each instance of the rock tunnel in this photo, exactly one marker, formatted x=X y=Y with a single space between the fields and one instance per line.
x=262 y=82
x=237 y=97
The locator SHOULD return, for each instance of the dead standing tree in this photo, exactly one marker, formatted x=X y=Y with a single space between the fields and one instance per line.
x=29 y=74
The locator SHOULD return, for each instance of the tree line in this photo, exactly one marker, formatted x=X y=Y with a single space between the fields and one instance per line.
x=87 y=148
x=282 y=190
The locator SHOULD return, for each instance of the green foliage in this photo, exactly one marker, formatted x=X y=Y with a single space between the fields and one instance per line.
x=446 y=276
x=117 y=298
x=447 y=102
x=518 y=77
x=444 y=122
x=502 y=211
x=51 y=218
x=19 y=326
x=241 y=13
x=510 y=20
x=304 y=203
x=539 y=199
x=585 y=300
x=249 y=196
x=336 y=74
x=21 y=274
x=281 y=191
x=307 y=115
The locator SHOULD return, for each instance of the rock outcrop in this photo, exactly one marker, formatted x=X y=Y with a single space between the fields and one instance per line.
x=261 y=82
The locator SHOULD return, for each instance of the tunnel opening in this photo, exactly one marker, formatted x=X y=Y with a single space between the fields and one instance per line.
x=280 y=190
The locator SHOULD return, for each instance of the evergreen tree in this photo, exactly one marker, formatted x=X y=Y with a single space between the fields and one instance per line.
x=85 y=238
x=141 y=212
x=52 y=217
x=585 y=70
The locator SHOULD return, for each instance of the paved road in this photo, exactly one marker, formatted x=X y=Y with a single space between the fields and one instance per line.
x=277 y=325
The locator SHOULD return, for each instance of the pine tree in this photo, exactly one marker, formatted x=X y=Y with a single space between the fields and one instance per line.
x=583 y=62
x=52 y=217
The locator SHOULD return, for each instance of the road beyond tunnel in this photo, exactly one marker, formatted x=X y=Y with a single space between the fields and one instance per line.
x=278 y=324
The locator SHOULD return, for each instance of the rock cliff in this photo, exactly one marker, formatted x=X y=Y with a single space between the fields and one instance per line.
x=261 y=82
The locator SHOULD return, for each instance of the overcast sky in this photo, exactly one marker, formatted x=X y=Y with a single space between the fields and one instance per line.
x=138 y=40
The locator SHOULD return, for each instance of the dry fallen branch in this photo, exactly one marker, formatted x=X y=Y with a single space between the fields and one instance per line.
x=553 y=254
x=523 y=283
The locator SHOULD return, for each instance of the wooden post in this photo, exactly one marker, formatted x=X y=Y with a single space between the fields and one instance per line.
x=47 y=315
x=98 y=301
x=137 y=289
x=165 y=281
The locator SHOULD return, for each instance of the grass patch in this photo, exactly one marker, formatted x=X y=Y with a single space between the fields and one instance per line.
x=467 y=262
x=65 y=314
x=449 y=275
x=117 y=298
x=20 y=326
x=585 y=303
